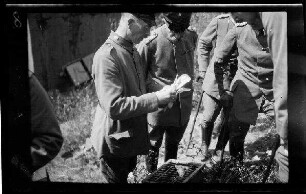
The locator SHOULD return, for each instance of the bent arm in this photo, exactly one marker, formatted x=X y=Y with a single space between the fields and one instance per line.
x=221 y=67
x=109 y=87
x=205 y=45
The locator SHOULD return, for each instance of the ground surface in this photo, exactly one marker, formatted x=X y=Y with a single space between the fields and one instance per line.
x=76 y=162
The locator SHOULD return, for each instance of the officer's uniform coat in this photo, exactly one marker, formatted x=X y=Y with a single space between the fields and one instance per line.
x=210 y=39
x=120 y=124
x=276 y=27
x=163 y=61
x=254 y=75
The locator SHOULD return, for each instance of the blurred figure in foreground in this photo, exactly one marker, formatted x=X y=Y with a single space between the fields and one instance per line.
x=47 y=138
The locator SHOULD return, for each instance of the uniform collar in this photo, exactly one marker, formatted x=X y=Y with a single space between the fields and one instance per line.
x=127 y=45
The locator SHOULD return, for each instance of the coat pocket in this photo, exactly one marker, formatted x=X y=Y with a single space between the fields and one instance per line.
x=121 y=135
x=120 y=143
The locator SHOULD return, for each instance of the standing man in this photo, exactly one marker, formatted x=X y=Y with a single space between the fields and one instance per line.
x=168 y=53
x=287 y=75
x=120 y=131
x=209 y=41
x=275 y=24
x=251 y=89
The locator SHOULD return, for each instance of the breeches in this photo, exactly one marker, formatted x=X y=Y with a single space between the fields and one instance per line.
x=173 y=136
x=212 y=109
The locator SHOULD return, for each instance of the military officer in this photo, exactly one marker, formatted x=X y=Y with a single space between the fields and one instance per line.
x=251 y=89
x=211 y=39
x=119 y=130
x=168 y=53
x=288 y=74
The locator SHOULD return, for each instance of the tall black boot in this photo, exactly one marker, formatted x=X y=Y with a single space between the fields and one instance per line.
x=238 y=132
x=170 y=151
x=237 y=150
x=223 y=138
x=152 y=160
x=206 y=128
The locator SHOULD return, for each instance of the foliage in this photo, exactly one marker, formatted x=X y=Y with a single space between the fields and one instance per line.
x=232 y=171
x=77 y=162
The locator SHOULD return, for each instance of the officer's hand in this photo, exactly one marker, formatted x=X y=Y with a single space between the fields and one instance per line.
x=200 y=76
x=166 y=95
x=227 y=99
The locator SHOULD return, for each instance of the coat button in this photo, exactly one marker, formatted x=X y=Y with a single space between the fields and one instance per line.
x=267 y=79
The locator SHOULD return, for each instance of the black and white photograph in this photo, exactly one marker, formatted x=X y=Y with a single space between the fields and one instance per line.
x=153 y=97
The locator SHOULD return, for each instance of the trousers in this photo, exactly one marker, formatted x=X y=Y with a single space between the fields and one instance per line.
x=173 y=136
x=212 y=108
x=115 y=169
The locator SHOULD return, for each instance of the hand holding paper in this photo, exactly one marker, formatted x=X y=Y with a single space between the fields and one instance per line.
x=178 y=85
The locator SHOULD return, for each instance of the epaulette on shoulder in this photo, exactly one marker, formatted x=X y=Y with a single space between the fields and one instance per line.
x=241 y=24
x=151 y=38
x=106 y=48
x=223 y=16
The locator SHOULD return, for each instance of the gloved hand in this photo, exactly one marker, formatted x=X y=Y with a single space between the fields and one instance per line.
x=166 y=95
x=200 y=76
x=226 y=99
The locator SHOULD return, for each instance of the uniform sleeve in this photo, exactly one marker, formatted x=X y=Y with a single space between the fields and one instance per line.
x=277 y=22
x=109 y=88
x=227 y=45
x=145 y=58
x=205 y=44
x=222 y=70
x=46 y=134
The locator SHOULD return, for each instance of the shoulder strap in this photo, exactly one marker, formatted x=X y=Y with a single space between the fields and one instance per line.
x=151 y=38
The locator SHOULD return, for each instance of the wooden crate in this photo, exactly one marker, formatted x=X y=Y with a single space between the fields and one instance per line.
x=174 y=171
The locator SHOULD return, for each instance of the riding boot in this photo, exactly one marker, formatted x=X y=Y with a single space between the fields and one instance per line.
x=206 y=128
x=170 y=151
x=237 y=150
x=223 y=138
